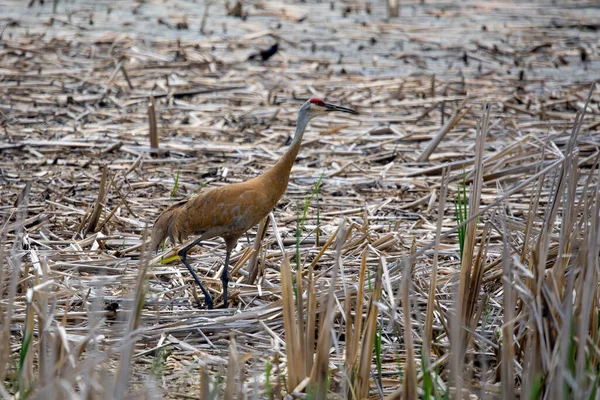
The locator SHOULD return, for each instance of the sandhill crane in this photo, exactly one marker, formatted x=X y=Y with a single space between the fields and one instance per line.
x=231 y=210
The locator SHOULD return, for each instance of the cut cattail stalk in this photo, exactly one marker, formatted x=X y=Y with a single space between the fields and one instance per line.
x=454 y=119
x=393 y=8
x=153 y=126
x=99 y=205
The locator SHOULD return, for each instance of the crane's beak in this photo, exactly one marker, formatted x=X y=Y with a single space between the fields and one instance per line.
x=333 y=107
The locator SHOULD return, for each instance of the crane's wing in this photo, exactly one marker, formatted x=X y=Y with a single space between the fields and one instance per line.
x=227 y=211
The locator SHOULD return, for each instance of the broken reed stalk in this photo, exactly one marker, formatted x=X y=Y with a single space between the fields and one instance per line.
x=204 y=383
x=311 y=320
x=123 y=373
x=393 y=8
x=252 y=268
x=349 y=354
x=153 y=126
x=46 y=363
x=303 y=352
x=540 y=344
x=555 y=297
x=232 y=367
x=14 y=260
x=114 y=73
x=452 y=121
x=410 y=370
x=363 y=374
x=319 y=375
x=470 y=270
x=4 y=315
x=292 y=341
x=493 y=204
x=434 y=273
x=508 y=350
x=205 y=16
x=532 y=212
x=7 y=307
x=25 y=367
x=126 y=76
x=354 y=329
x=99 y=204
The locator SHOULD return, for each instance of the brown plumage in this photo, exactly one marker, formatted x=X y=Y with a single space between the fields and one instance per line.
x=227 y=211
x=231 y=210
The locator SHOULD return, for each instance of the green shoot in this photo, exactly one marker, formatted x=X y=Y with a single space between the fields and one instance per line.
x=447 y=394
x=318 y=232
x=428 y=388
x=487 y=310
x=462 y=213
x=268 y=390
x=571 y=362
x=175 y=186
x=311 y=394
x=309 y=198
x=301 y=221
x=377 y=347
x=536 y=388
x=400 y=365
x=22 y=356
x=299 y=226
x=588 y=367
x=159 y=362
x=201 y=187
x=595 y=386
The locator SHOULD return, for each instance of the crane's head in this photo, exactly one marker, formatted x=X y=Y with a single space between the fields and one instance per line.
x=316 y=107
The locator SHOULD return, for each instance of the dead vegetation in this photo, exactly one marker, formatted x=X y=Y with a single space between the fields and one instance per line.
x=442 y=243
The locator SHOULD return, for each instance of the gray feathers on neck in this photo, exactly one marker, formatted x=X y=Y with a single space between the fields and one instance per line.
x=301 y=124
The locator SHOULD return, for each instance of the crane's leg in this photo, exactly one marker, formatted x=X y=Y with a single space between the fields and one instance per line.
x=183 y=254
x=230 y=243
x=225 y=278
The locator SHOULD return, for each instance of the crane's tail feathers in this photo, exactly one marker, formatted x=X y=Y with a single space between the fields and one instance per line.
x=164 y=226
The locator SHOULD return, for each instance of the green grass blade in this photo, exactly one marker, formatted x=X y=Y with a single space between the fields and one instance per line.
x=268 y=390
x=377 y=347
x=536 y=388
x=461 y=212
x=299 y=226
x=175 y=186
x=23 y=353
x=428 y=389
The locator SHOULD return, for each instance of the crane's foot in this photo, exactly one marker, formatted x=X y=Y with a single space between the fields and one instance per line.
x=209 y=303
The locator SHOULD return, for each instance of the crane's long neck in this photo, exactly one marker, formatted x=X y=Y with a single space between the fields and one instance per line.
x=277 y=176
